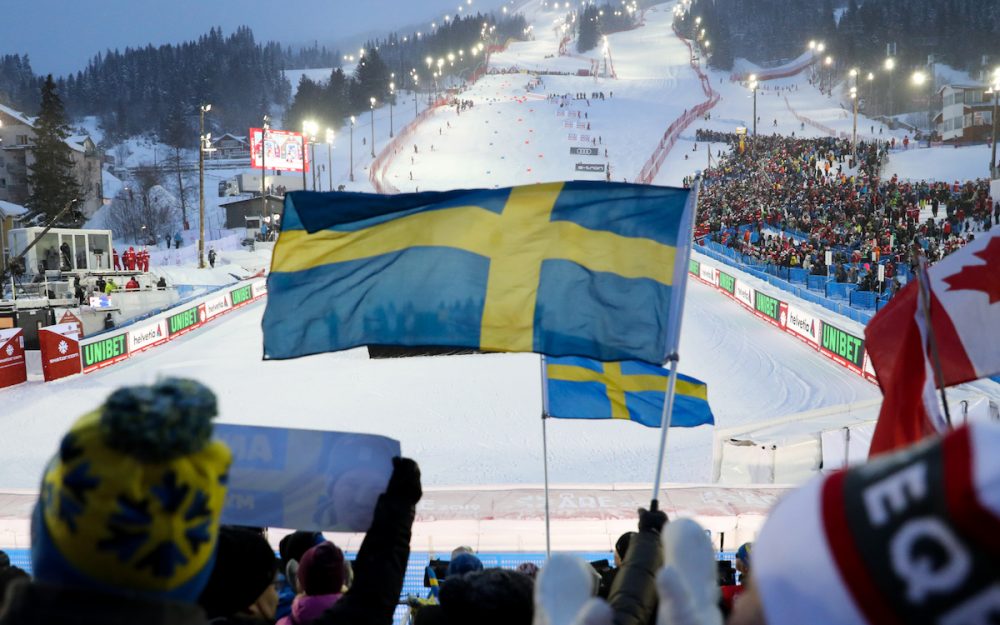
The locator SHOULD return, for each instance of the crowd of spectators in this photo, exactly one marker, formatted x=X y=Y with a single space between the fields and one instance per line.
x=787 y=201
x=127 y=530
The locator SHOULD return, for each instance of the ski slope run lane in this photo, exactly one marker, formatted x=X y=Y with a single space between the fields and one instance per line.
x=468 y=420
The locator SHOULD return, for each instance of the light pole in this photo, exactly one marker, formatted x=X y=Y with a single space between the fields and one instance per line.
x=204 y=108
x=263 y=157
x=415 y=85
x=309 y=130
x=329 y=156
x=920 y=79
x=753 y=87
x=372 y=107
x=995 y=87
x=392 y=96
x=353 y=119
x=890 y=64
x=854 y=99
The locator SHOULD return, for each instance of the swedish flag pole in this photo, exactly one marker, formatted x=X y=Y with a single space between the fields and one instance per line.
x=603 y=390
x=674 y=335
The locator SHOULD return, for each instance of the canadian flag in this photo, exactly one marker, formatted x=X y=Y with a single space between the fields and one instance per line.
x=964 y=299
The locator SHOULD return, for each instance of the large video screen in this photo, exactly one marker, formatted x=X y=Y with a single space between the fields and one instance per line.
x=284 y=150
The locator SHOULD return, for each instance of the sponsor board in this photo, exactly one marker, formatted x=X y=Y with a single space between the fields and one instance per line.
x=104 y=352
x=707 y=274
x=217 y=305
x=147 y=336
x=259 y=288
x=69 y=317
x=241 y=295
x=802 y=325
x=744 y=294
x=13 y=367
x=868 y=370
x=843 y=347
x=183 y=321
x=60 y=351
x=767 y=307
x=694 y=267
x=726 y=282
x=584 y=151
x=592 y=167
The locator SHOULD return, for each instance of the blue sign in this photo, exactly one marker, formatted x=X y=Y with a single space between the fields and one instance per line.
x=305 y=479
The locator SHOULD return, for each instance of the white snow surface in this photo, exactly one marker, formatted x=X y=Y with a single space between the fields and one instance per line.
x=475 y=420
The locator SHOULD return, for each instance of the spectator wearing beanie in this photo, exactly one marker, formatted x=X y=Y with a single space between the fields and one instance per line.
x=242 y=587
x=463 y=563
x=126 y=527
x=291 y=549
x=484 y=597
x=380 y=565
x=321 y=575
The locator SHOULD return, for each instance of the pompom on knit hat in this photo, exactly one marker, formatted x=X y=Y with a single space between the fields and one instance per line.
x=132 y=500
x=909 y=538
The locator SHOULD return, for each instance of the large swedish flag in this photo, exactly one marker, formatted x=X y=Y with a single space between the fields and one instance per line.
x=576 y=268
x=580 y=388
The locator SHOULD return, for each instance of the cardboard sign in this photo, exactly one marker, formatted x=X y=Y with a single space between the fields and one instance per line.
x=305 y=479
x=13 y=368
x=69 y=317
x=60 y=346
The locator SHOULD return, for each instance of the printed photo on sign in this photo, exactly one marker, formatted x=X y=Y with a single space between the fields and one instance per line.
x=306 y=479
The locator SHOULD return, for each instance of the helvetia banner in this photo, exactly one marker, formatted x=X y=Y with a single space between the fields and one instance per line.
x=13 y=368
x=147 y=336
x=803 y=325
x=60 y=347
x=217 y=305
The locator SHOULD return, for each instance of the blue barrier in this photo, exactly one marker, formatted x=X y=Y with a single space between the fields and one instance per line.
x=840 y=290
x=732 y=258
x=863 y=299
x=817 y=283
x=798 y=275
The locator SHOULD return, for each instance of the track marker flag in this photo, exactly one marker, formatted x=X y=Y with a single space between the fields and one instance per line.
x=580 y=388
x=963 y=297
x=582 y=268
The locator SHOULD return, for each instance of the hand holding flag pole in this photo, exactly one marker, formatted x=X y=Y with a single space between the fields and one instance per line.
x=924 y=283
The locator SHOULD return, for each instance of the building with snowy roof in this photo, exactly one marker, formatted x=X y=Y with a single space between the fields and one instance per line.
x=17 y=135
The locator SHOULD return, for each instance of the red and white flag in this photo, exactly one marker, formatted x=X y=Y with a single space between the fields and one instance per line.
x=964 y=297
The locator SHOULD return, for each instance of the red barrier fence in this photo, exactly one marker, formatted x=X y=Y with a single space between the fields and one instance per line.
x=652 y=166
x=60 y=348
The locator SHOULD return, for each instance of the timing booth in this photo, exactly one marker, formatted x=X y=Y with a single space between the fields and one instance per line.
x=62 y=249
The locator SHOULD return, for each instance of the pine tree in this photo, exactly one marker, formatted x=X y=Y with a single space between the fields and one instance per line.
x=589 y=32
x=52 y=182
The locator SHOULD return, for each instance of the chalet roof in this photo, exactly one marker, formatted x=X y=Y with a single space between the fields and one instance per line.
x=9 y=209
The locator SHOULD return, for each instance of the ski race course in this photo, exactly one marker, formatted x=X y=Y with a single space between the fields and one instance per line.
x=474 y=421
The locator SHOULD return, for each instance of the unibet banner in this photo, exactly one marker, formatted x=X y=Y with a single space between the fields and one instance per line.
x=184 y=321
x=241 y=295
x=767 y=307
x=843 y=347
x=694 y=267
x=727 y=283
x=104 y=352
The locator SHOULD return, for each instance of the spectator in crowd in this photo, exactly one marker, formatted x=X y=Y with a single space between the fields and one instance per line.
x=786 y=205
x=211 y=257
x=731 y=592
x=242 y=589
x=161 y=284
x=905 y=538
x=484 y=597
x=321 y=579
x=291 y=549
x=132 y=284
x=99 y=285
x=110 y=286
x=130 y=479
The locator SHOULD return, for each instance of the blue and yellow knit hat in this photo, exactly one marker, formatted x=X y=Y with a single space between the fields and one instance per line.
x=131 y=502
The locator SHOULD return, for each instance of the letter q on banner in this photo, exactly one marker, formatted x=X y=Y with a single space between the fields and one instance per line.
x=13 y=368
x=60 y=345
